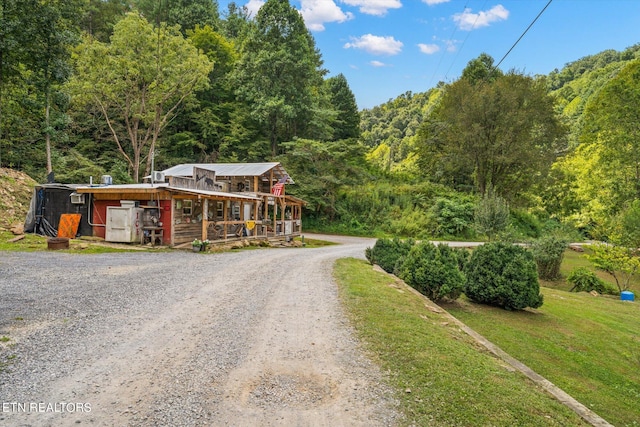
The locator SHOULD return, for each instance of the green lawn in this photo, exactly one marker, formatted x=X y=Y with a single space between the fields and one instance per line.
x=588 y=346
x=572 y=260
x=442 y=377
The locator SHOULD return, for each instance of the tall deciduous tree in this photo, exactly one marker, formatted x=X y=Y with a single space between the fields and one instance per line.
x=54 y=33
x=99 y=17
x=138 y=81
x=502 y=134
x=279 y=73
x=186 y=13
x=322 y=169
x=12 y=41
x=203 y=131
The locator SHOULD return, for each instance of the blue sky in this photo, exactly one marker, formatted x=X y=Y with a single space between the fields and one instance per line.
x=388 y=47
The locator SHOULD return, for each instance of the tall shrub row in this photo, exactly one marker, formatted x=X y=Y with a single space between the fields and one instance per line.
x=389 y=253
x=498 y=274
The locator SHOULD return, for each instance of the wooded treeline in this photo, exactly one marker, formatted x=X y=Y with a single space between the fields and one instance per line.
x=98 y=87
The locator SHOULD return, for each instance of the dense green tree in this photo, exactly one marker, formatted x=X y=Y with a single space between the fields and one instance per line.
x=347 y=122
x=217 y=103
x=186 y=13
x=12 y=53
x=502 y=134
x=99 y=17
x=138 y=82
x=279 y=74
x=237 y=22
x=481 y=69
x=54 y=33
x=322 y=169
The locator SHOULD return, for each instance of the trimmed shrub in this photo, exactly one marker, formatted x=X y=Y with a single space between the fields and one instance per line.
x=503 y=275
x=548 y=253
x=387 y=252
x=433 y=271
x=585 y=280
x=462 y=255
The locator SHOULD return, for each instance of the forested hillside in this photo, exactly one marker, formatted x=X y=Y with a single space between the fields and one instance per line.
x=113 y=86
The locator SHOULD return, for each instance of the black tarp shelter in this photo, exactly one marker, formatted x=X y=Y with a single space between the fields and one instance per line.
x=49 y=202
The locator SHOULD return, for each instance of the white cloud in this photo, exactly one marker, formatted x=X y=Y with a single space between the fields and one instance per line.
x=376 y=45
x=317 y=12
x=374 y=7
x=377 y=64
x=434 y=2
x=428 y=48
x=253 y=6
x=468 y=20
x=451 y=45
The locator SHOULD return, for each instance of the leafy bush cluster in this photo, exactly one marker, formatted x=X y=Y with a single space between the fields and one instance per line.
x=454 y=216
x=389 y=253
x=496 y=273
x=503 y=275
x=548 y=253
x=585 y=280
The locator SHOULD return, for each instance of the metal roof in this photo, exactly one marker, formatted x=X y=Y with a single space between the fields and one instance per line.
x=145 y=187
x=230 y=169
x=108 y=188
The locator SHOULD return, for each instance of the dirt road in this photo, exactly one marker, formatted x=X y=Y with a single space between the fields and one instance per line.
x=145 y=339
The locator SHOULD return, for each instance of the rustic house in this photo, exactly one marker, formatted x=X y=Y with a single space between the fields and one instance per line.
x=214 y=201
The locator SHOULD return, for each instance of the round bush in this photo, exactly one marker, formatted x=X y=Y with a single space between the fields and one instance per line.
x=387 y=252
x=433 y=271
x=503 y=275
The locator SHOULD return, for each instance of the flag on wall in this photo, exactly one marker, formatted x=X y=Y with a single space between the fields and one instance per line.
x=277 y=189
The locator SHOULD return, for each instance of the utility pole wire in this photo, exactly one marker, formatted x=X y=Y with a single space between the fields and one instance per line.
x=521 y=36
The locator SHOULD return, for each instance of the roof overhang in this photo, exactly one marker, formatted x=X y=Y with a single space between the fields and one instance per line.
x=214 y=194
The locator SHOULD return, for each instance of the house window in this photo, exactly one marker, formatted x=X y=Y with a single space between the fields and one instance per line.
x=187 y=207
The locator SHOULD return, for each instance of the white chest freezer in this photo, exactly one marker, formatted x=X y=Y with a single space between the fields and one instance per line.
x=124 y=224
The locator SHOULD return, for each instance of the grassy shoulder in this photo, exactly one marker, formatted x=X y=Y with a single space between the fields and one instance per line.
x=588 y=346
x=441 y=375
x=33 y=243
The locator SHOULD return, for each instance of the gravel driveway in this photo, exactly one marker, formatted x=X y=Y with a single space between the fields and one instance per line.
x=145 y=339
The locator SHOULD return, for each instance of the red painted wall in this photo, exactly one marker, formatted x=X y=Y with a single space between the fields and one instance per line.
x=99 y=217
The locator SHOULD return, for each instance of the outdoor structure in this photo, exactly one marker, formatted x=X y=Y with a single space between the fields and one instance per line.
x=48 y=205
x=214 y=201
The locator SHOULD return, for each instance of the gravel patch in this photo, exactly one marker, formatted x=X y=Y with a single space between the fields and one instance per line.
x=183 y=339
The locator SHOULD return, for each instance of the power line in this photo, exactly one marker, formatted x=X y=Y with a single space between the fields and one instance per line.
x=521 y=36
x=465 y=40
x=455 y=28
